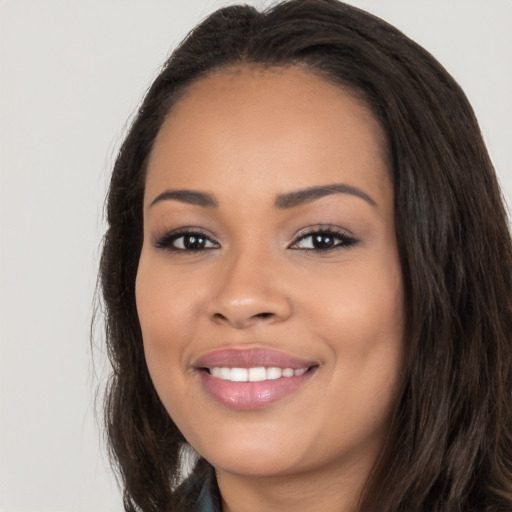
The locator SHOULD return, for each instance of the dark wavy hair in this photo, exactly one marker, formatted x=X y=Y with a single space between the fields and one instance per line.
x=449 y=446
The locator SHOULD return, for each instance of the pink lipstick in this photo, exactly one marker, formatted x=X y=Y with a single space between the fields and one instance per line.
x=252 y=378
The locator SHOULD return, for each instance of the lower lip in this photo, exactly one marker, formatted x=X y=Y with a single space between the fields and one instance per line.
x=252 y=395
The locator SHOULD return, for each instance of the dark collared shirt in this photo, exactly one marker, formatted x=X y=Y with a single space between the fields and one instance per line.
x=208 y=499
x=205 y=502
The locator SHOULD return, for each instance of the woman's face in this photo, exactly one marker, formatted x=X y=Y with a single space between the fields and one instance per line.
x=269 y=287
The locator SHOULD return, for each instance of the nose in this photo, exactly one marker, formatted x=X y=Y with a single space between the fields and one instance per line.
x=249 y=292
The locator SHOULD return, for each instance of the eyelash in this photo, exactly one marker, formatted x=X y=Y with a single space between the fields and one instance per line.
x=345 y=240
x=166 y=241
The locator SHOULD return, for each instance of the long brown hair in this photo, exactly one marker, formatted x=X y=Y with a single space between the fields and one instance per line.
x=449 y=446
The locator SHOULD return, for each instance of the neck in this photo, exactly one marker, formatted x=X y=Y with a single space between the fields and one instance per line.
x=328 y=490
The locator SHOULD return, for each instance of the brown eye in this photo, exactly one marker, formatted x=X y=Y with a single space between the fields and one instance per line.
x=184 y=241
x=192 y=243
x=323 y=240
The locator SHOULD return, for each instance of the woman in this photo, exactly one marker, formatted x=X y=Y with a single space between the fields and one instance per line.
x=307 y=277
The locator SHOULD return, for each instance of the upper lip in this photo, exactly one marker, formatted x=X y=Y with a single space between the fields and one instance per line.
x=251 y=358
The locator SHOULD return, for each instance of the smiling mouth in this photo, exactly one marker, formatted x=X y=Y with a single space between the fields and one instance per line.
x=247 y=379
x=255 y=387
x=255 y=374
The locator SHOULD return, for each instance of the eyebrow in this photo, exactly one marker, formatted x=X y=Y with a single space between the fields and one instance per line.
x=308 y=195
x=283 y=201
x=187 y=196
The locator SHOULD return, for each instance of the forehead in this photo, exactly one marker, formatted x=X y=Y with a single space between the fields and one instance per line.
x=287 y=125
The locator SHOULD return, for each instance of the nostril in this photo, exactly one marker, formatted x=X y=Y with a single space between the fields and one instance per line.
x=263 y=315
x=235 y=320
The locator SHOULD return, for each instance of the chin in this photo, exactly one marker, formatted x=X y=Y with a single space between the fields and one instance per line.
x=256 y=452
x=255 y=464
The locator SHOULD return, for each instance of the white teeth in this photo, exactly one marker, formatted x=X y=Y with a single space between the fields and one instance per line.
x=239 y=374
x=255 y=374
x=274 y=373
x=221 y=373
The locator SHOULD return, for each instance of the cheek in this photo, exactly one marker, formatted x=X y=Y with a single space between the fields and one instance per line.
x=364 y=328
x=164 y=304
x=362 y=323
x=363 y=309
x=165 y=317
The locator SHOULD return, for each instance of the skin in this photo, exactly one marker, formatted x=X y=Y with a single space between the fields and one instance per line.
x=245 y=136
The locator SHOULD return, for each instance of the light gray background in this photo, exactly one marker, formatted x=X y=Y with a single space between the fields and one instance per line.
x=71 y=74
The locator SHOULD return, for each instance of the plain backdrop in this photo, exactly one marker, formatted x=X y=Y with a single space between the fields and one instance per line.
x=72 y=72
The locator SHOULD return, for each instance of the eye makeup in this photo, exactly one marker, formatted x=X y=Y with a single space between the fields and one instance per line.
x=319 y=238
